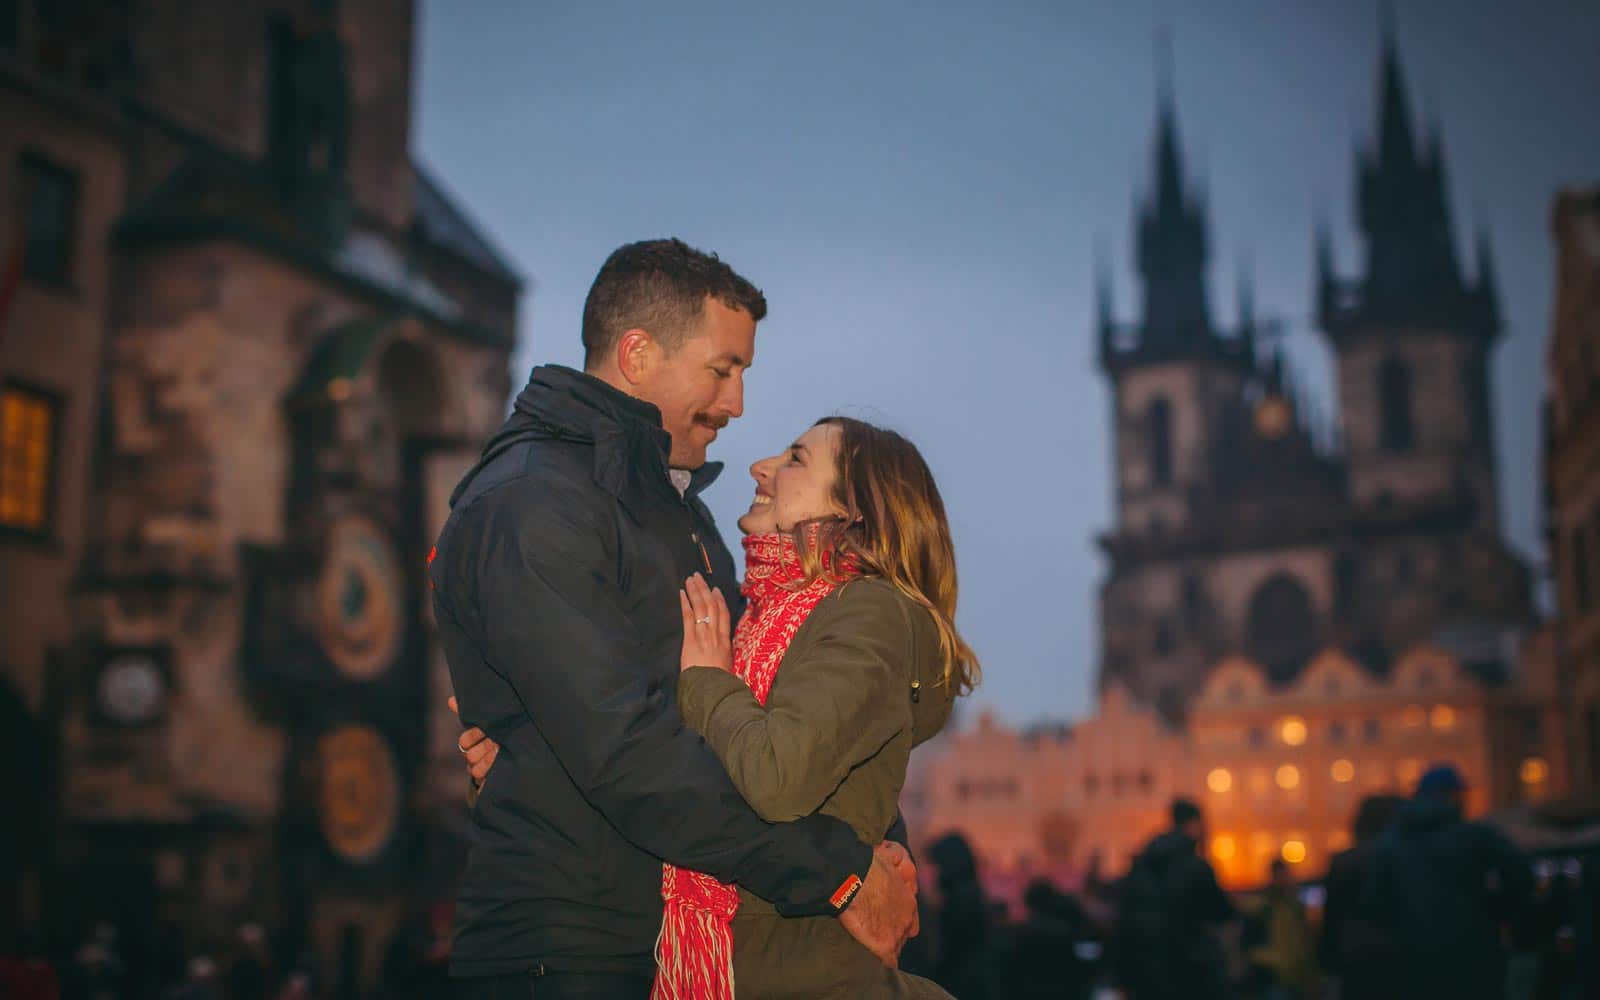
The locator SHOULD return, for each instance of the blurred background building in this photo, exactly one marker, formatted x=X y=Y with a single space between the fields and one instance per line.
x=1572 y=470
x=247 y=345
x=1300 y=609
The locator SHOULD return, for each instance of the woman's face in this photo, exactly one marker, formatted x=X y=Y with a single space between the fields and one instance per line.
x=795 y=485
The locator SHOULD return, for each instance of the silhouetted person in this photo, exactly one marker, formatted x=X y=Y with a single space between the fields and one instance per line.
x=1046 y=963
x=963 y=962
x=1443 y=888
x=1354 y=947
x=1166 y=944
x=1281 y=958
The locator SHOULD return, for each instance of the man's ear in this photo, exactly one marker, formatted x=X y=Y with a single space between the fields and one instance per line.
x=637 y=355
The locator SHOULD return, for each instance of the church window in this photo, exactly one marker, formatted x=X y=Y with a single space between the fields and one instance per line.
x=1282 y=627
x=1164 y=641
x=49 y=215
x=1193 y=601
x=1159 y=437
x=1394 y=405
x=1346 y=584
x=28 y=430
x=1336 y=731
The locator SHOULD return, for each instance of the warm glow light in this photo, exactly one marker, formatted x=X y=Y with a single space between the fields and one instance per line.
x=1443 y=718
x=1294 y=851
x=1342 y=770
x=1414 y=716
x=1219 y=780
x=1409 y=771
x=1223 y=847
x=1292 y=731
x=1288 y=776
x=1534 y=771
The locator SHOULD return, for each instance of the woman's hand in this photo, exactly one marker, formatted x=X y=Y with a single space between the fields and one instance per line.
x=707 y=634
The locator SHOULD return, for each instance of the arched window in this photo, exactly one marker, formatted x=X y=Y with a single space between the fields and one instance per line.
x=1158 y=432
x=1282 y=627
x=1394 y=405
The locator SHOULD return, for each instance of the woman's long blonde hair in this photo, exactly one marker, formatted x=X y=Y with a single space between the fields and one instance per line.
x=894 y=527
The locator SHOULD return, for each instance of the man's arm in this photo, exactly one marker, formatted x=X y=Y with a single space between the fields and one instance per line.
x=555 y=629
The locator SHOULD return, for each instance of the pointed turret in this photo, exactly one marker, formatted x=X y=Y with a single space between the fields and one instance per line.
x=1487 y=289
x=1105 y=306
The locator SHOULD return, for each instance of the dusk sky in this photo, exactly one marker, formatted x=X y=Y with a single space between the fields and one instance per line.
x=919 y=188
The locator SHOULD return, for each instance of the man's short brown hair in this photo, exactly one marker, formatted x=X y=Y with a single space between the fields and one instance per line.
x=660 y=286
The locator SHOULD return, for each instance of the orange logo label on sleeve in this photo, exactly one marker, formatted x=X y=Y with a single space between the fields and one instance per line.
x=846 y=892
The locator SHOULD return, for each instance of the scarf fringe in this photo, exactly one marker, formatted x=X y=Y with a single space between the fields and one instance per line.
x=694 y=955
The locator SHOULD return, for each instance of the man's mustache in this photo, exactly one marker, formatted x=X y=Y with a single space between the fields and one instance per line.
x=715 y=423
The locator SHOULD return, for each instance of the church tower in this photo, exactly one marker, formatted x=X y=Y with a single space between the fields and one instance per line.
x=1412 y=338
x=1411 y=334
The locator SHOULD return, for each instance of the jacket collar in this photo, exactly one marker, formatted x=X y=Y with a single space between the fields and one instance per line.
x=625 y=431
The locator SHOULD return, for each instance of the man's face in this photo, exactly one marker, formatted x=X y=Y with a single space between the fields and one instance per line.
x=700 y=387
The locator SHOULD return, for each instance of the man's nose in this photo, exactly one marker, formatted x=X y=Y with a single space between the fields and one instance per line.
x=733 y=397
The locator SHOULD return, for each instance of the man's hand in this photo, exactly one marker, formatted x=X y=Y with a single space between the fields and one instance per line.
x=477 y=747
x=884 y=914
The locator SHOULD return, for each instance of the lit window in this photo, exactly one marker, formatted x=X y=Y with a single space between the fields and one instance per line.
x=1294 y=851
x=1414 y=716
x=1288 y=776
x=27 y=444
x=1223 y=847
x=1442 y=718
x=1292 y=731
x=1534 y=771
x=1219 y=780
x=1342 y=771
x=1409 y=771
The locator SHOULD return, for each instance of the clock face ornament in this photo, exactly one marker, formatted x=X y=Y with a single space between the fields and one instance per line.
x=360 y=600
x=358 y=792
x=132 y=689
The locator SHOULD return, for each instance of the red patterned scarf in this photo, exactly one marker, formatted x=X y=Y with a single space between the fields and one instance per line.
x=694 y=954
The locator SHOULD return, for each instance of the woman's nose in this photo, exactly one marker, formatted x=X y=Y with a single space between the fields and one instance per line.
x=761 y=469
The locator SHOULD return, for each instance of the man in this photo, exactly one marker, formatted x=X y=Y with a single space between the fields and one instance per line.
x=1354 y=947
x=1169 y=909
x=555 y=588
x=1442 y=889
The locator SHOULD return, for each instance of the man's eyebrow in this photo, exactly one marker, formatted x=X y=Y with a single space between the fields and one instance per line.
x=729 y=358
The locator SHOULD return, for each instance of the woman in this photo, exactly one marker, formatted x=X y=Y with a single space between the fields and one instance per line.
x=846 y=657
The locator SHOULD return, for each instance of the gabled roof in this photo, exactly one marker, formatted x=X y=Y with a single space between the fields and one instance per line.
x=445 y=224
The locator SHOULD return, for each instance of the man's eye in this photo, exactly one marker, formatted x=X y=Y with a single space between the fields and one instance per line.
x=723 y=372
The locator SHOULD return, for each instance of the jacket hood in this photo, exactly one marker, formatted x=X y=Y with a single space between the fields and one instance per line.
x=569 y=405
x=1425 y=815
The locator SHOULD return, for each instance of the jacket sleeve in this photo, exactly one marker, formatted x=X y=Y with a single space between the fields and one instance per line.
x=832 y=707
x=554 y=625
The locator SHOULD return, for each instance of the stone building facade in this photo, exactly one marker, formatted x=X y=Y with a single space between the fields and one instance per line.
x=278 y=345
x=1296 y=615
x=1278 y=768
x=1572 y=469
x=1245 y=524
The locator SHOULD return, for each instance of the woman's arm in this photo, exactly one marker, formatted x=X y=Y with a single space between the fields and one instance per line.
x=834 y=705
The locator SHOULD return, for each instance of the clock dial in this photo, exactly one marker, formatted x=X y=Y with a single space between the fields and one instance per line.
x=358 y=795
x=132 y=689
x=361 y=600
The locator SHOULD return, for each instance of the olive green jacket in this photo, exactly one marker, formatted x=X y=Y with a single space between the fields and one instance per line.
x=858 y=687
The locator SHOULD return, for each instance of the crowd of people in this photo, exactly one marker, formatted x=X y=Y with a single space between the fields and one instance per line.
x=1425 y=904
